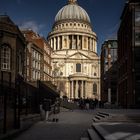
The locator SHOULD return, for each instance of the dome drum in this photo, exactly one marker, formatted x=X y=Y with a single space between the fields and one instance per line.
x=72 y=23
x=73 y=42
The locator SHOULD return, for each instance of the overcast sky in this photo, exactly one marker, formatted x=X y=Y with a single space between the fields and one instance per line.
x=39 y=15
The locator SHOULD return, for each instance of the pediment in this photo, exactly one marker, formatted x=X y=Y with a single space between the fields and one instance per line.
x=78 y=55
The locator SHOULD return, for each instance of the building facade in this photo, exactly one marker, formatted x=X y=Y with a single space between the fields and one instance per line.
x=75 y=63
x=12 y=46
x=109 y=71
x=129 y=55
x=38 y=57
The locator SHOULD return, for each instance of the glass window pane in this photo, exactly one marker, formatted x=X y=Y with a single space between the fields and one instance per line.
x=78 y=67
x=137 y=18
x=5 y=57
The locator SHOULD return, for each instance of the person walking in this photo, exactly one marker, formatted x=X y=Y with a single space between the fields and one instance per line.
x=47 y=108
x=56 y=110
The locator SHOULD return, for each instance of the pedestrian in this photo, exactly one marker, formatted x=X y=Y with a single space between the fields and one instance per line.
x=47 y=108
x=56 y=110
x=42 y=112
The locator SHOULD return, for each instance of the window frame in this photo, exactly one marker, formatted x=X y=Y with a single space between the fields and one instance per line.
x=5 y=56
x=78 y=67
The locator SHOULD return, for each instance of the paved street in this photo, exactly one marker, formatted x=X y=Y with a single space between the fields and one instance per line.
x=71 y=126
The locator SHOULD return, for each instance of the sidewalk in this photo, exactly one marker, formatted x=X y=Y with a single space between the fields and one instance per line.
x=118 y=131
x=26 y=123
x=120 y=125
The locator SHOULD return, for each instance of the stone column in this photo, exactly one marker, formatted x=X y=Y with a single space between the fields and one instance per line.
x=72 y=90
x=68 y=46
x=76 y=90
x=51 y=43
x=72 y=42
x=84 y=89
x=94 y=45
x=87 y=43
x=82 y=42
x=62 y=42
x=91 y=44
x=82 y=86
x=78 y=47
x=69 y=89
x=58 y=43
x=54 y=43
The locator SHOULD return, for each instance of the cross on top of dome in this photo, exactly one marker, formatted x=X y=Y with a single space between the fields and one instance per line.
x=72 y=1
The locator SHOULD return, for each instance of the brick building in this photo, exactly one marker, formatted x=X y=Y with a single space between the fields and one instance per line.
x=129 y=55
x=38 y=57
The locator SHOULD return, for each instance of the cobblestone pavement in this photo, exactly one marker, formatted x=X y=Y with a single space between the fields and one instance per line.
x=71 y=126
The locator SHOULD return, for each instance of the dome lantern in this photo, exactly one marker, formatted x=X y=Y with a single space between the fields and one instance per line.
x=72 y=1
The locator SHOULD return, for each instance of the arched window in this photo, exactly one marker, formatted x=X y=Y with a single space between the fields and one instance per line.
x=95 y=74
x=78 y=67
x=94 y=88
x=5 y=55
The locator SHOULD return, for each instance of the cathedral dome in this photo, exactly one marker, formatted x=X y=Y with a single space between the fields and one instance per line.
x=72 y=11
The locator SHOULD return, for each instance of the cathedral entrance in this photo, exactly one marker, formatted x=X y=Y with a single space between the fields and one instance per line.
x=77 y=89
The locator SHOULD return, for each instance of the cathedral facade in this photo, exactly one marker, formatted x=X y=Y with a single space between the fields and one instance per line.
x=75 y=63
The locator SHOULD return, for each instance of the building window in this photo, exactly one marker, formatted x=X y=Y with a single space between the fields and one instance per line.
x=27 y=71
x=20 y=64
x=33 y=63
x=137 y=18
x=137 y=38
x=38 y=75
x=27 y=61
x=33 y=73
x=95 y=74
x=78 y=67
x=5 y=55
x=94 y=88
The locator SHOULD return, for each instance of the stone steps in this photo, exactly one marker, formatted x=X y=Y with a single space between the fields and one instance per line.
x=105 y=117
x=101 y=116
x=93 y=135
x=84 y=138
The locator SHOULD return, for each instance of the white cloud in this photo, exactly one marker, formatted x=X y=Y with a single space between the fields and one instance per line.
x=32 y=25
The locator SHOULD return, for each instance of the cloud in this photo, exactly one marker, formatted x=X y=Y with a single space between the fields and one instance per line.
x=32 y=25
